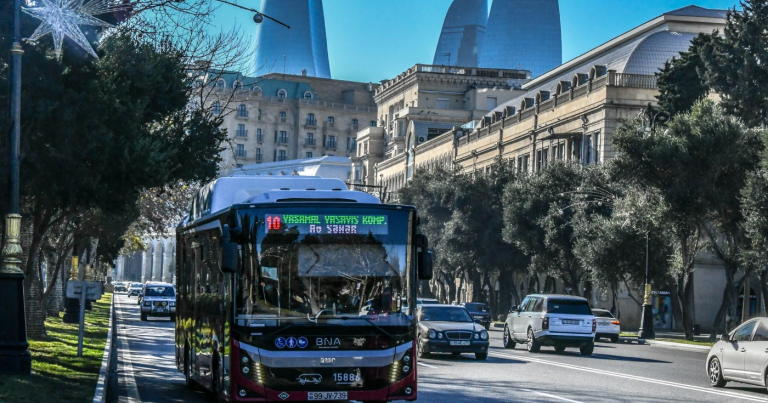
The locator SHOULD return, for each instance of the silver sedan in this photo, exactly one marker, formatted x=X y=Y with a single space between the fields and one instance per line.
x=740 y=356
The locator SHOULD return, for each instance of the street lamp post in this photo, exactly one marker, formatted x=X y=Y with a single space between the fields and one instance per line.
x=14 y=348
x=646 y=326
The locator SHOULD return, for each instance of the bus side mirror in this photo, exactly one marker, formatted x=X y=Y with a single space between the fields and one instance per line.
x=229 y=252
x=424 y=258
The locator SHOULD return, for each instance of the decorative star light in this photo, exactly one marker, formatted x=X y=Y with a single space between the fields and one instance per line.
x=63 y=18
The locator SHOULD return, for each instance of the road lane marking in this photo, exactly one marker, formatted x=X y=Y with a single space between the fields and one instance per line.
x=426 y=365
x=632 y=377
x=550 y=396
x=129 y=379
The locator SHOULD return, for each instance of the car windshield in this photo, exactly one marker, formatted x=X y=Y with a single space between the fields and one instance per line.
x=311 y=263
x=445 y=314
x=568 y=306
x=602 y=314
x=159 y=291
x=428 y=301
x=476 y=307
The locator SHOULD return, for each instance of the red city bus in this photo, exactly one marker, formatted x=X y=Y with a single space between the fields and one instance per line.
x=303 y=293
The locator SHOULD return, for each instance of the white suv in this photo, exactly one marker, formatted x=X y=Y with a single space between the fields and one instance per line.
x=559 y=321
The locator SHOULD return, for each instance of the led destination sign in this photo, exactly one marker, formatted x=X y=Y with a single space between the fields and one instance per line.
x=328 y=223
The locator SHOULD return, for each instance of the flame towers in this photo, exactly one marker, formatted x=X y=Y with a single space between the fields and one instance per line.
x=462 y=34
x=519 y=34
x=292 y=51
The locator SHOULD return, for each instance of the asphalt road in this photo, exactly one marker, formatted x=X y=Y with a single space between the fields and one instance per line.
x=614 y=373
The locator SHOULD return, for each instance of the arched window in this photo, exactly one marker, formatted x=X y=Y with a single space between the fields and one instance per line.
x=220 y=83
x=373 y=123
x=241 y=111
x=311 y=120
x=282 y=94
x=217 y=108
x=308 y=95
x=355 y=122
x=256 y=88
x=282 y=117
x=259 y=114
x=331 y=119
x=238 y=85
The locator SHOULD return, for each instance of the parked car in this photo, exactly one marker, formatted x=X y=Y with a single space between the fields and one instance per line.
x=449 y=329
x=159 y=299
x=740 y=355
x=607 y=325
x=134 y=289
x=480 y=313
x=559 y=321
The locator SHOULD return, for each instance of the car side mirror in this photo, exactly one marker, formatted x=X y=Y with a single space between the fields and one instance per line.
x=229 y=252
x=514 y=309
x=725 y=337
x=424 y=258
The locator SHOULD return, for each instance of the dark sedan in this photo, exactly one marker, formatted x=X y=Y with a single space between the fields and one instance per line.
x=480 y=313
x=449 y=329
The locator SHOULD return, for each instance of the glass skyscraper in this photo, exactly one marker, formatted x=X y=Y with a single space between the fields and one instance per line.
x=462 y=34
x=523 y=34
x=291 y=51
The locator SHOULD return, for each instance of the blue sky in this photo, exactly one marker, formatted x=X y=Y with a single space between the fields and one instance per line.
x=373 y=40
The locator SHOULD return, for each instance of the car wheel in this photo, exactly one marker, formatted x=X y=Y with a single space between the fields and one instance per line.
x=559 y=349
x=143 y=317
x=420 y=350
x=715 y=372
x=533 y=345
x=508 y=342
x=588 y=349
x=615 y=338
x=481 y=356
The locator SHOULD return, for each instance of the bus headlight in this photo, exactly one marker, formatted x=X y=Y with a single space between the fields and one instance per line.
x=484 y=335
x=244 y=360
x=432 y=334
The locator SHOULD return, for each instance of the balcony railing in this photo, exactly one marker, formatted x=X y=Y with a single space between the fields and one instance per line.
x=258 y=157
x=242 y=133
x=282 y=140
x=310 y=142
x=241 y=154
x=331 y=144
x=260 y=138
x=311 y=122
x=634 y=81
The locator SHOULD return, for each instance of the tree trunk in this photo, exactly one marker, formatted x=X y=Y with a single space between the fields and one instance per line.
x=764 y=289
x=685 y=291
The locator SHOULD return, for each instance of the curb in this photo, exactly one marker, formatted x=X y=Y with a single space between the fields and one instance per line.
x=100 y=394
x=680 y=346
x=632 y=340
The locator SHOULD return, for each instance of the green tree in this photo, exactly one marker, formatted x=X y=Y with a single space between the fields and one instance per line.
x=699 y=165
x=680 y=81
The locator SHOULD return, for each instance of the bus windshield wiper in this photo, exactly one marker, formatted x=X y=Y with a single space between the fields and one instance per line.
x=358 y=318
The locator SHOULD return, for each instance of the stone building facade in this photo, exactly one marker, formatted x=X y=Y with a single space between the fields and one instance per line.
x=570 y=113
x=424 y=102
x=281 y=117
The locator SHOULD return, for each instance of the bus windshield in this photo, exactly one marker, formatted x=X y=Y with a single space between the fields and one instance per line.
x=325 y=263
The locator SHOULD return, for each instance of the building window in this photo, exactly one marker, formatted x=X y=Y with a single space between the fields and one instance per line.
x=349 y=143
x=310 y=139
x=256 y=88
x=373 y=123
x=282 y=117
x=241 y=111
x=355 y=123
x=308 y=95
x=220 y=83
x=331 y=119
x=259 y=137
x=241 y=132
x=597 y=147
x=259 y=115
x=283 y=137
x=240 y=151
x=331 y=141
x=311 y=120
x=282 y=94
x=443 y=103
x=281 y=155
x=309 y=154
x=258 y=154
x=587 y=149
x=217 y=108
x=238 y=85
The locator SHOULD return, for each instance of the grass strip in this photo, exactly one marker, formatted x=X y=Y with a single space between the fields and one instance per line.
x=58 y=374
x=691 y=342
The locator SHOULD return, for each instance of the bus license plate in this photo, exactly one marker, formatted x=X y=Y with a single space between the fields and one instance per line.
x=459 y=343
x=327 y=396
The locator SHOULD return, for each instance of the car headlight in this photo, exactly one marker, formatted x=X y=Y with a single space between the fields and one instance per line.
x=484 y=335
x=477 y=336
x=432 y=334
x=173 y=304
x=146 y=303
x=439 y=335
